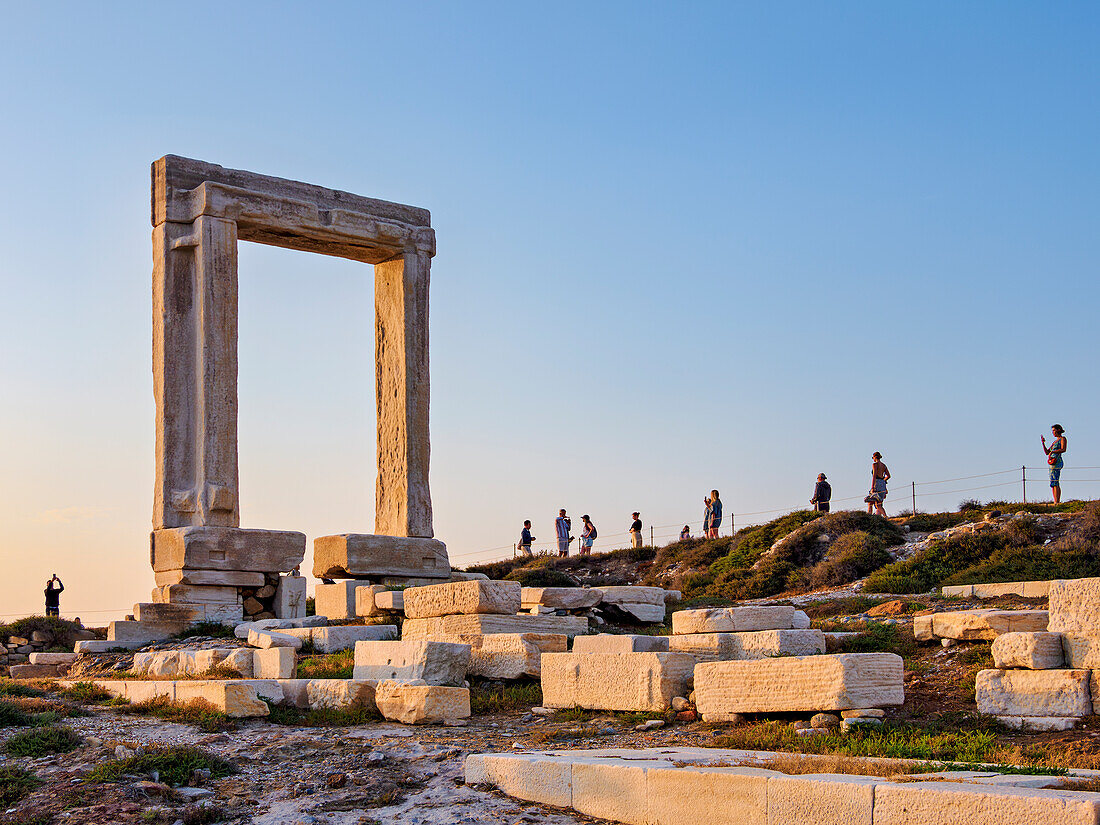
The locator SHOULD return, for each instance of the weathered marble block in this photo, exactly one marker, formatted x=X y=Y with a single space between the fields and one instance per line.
x=986 y=624
x=509 y=655
x=340 y=694
x=188 y=613
x=274 y=663
x=1081 y=650
x=365 y=596
x=1074 y=606
x=798 y=683
x=464 y=598
x=625 y=643
x=633 y=594
x=343 y=637
x=337 y=601
x=917 y=803
x=361 y=555
x=614 y=681
x=196 y=594
x=390 y=600
x=757 y=644
x=290 y=597
x=436 y=663
x=1033 y=692
x=732 y=619
x=145 y=632
x=486 y=623
x=227 y=548
x=1035 y=651
x=414 y=703
x=209 y=578
x=560 y=598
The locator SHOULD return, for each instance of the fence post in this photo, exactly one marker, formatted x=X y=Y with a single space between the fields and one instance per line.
x=914 y=498
x=1023 y=480
x=651 y=535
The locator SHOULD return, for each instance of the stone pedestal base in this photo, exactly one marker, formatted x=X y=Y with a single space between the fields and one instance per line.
x=374 y=558
x=229 y=549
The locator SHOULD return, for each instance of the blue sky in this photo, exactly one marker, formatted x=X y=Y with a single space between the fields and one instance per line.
x=680 y=247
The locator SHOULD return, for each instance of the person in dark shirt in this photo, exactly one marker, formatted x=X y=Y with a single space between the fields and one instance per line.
x=636 y=530
x=823 y=491
x=525 y=538
x=53 y=596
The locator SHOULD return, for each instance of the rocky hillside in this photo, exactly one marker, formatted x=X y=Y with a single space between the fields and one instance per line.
x=806 y=551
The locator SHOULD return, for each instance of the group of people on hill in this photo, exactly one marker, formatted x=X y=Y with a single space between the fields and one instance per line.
x=563 y=528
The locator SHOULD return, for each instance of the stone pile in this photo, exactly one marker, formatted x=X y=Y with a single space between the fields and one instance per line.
x=477 y=608
x=626 y=603
x=977 y=625
x=16 y=650
x=1046 y=679
x=732 y=633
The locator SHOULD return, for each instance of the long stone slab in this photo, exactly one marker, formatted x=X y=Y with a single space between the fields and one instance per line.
x=436 y=663
x=798 y=683
x=188 y=613
x=207 y=578
x=986 y=624
x=465 y=598
x=1033 y=692
x=633 y=594
x=236 y=698
x=342 y=637
x=485 y=623
x=167 y=664
x=1075 y=606
x=732 y=619
x=196 y=594
x=757 y=644
x=227 y=548
x=621 y=643
x=1034 y=651
x=1028 y=590
x=615 y=681
x=340 y=694
x=365 y=556
x=560 y=598
x=509 y=655
x=917 y=803
x=142 y=632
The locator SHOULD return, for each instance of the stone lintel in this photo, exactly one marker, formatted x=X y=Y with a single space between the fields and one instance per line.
x=365 y=556
x=227 y=548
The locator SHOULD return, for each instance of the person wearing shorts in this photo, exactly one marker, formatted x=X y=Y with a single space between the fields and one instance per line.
x=588 y=535
x=880 y=474
x=562 y=525
x=1054 y=459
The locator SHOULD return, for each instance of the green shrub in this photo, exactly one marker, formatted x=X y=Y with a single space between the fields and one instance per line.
x=88 y=693
x=969 y=505
x=540 y=575
x=174 y=763
x=60 y=632
x=9 y=687
x=16 y=783
x=486 y=698
x=1015 y=564
x=935 y=564
x=935 y=522
x=43 y=741
x=338 y=665
x=12 y=715
x=292 y=716
x=851 y=557
x=197 y=712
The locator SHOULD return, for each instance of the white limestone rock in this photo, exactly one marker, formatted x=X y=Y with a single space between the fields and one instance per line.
x=732 y=619
x=560 y=598
x=614 y=681
x=624 y=643
x=365 y=599
x=340 y=694
x=414 y=703
x=227 y=549
x=435 y=663
x=1033 y=692
x=337 y=601
x=268 y=638
x=634 y=595
x=360 y=555
x=1035 y=651
x=486 y=623
x=390 y=600
x=274 y=663
x=986 y=624
x=1075 y=606
x=759 y=644
x=1081 y=650
x=290 y=597
x=509 y=655
x=466 y=597
x=725 y=689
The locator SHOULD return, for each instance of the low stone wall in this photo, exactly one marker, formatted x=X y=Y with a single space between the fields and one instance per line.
x=1028 y=590
x=693 y=786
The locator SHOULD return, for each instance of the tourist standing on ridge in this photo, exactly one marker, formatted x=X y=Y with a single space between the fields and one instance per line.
x=636 y=530
x=588 y=535
x=1054 y=459
x=706 y=516
x=562 y=525
x=880 y=474
x=525 y=538
x=823 y=491
x=53 y=596
x=713 y=519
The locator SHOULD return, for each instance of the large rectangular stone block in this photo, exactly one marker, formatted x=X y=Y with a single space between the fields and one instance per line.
x=188 y=613
x=196 y=594
x=1074 y=606
x=361 y=555
x=143 y=632
x=465 y=597
x=365 y=599
x=337 y=601
x=1081 y=650
x=758 y=644
x=803 y=683
x=822 y=798
x=534 y=777
x=560 y=598
x=633 y=594
x=1035 y=651
x=483 y=624
x=986 y=624
x=235 y=699
x=732 y=619
x=621 y=643
x=436 y=663
x=611 y=790
x=917 y=803
x=1033 y=692
x=415 y=703
x=290 y=597
x=340 y=694
x=274 y=663
x=614 y=681
x=228 y=549
x=735 y=796
x=206 y=578
x=509 y=655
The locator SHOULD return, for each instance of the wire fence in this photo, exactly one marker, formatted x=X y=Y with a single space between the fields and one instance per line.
x=907 y=494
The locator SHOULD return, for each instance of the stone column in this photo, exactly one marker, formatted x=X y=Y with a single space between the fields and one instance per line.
x=195 y=373
x=403 y=503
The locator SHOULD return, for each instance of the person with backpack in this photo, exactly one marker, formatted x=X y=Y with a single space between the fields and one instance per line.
x=588 y=536
x=525 y=538
x=880 y=474
x=1054 y=459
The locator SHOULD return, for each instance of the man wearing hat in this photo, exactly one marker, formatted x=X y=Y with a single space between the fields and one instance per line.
x=823 y=491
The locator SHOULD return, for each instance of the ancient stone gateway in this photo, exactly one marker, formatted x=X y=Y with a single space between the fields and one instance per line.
x=199 y=213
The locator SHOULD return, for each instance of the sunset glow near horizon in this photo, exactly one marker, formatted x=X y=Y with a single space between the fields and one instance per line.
x=679 y=248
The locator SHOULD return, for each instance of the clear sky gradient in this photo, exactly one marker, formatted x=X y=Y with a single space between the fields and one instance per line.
x=680 y=247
